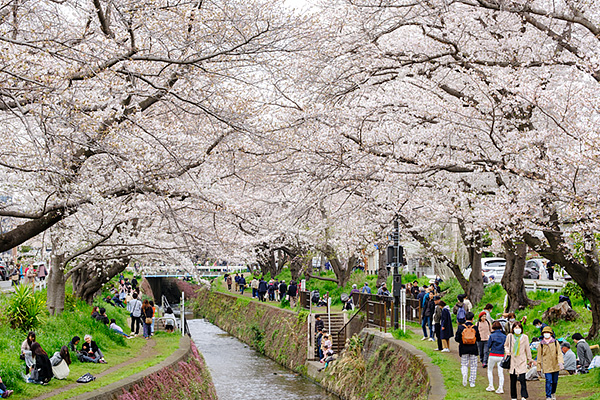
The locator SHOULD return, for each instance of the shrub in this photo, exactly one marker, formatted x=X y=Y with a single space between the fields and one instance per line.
x=25 y=308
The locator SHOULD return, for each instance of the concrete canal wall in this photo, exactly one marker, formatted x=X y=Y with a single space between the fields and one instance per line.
x=380 y=368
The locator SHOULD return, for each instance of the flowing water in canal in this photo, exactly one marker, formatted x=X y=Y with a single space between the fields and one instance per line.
x=240 y=373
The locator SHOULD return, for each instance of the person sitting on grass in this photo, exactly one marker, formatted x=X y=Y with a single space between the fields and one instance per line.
x=570 y=360
x=41 y=373
x=4 y=392
x=584 y=353
x=95 y=313
x=60 y=363
x=113 y=326
x=91 y=352
x=26 y=354
x=102 y=316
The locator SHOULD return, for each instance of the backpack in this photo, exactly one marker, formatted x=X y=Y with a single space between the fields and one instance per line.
x=86 y=378
x=461 y=314
x=469 y=335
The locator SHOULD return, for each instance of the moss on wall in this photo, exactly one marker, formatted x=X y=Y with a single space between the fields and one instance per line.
x=279 y=334
x=371 y=368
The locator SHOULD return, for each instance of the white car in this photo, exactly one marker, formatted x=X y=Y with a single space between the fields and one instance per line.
x=491 y=267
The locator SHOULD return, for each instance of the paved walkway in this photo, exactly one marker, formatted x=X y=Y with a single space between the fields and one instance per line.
x=146 y=352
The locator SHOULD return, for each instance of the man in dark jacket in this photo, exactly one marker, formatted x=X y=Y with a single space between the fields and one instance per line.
x=292 y=291
x=319 y=324
x=262 y=289
x=282 y=290
x=467 y=336
x=102 y=317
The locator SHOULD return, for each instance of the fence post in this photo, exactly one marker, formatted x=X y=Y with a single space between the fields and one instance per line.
x=182 y=313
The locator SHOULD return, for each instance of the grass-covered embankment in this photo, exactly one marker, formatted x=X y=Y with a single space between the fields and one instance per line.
x=55 y=331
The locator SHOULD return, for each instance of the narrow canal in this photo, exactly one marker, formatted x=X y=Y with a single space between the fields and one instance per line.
x=240 y=373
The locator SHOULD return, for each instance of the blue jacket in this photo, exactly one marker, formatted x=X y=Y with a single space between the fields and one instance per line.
x=496 y=342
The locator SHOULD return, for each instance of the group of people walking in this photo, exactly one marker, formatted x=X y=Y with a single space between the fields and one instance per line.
x=273 y=290
x=500 y=344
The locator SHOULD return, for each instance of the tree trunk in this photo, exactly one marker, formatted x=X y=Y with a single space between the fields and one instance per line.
x=56 y=286
x=512 y=280
x=87 y=282
x=382 y=272
x=342 y=272
x=475 y=288
x=585 y=273
x=473 y=242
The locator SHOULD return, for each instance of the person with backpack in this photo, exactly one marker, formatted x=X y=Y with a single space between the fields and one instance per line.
x=549 y=361
x=467 y=337
x=459 y=309
x=496 y=355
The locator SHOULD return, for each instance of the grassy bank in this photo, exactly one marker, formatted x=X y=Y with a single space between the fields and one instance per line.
x=55 y=331
x=569 y=387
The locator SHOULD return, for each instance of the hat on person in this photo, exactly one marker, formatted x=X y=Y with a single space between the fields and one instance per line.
x=565 y=344
x=547 y=329
x=481 y=313
x=354 y=286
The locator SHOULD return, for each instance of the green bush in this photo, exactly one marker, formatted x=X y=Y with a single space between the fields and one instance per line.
x=26 y=308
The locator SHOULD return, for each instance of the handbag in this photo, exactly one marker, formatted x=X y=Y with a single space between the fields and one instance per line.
x=148 y=321
x=505 y=363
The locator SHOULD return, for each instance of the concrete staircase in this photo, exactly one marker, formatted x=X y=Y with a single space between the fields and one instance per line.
x=333 y=324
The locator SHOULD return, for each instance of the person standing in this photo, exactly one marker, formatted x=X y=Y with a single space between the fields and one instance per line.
x=488 y=312
x=366 y=289
x=254 y=286
x=262 y=289
x=437 y=322
x=459 y=309
x=446 y=325
x=242 y=284
x=236 y=281
x=550 y=270
x=41 y=272
x=282 y=290
x=485 y=329
x=496 y=355
x=271 y=290
x=147 y=314
x=467 y=337
x=549 y=361
x=135 y=312
x=428 y=310
x=292 y=292
x=517 y=346
x=229 y=282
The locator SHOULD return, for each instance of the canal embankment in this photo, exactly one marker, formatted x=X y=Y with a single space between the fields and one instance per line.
x=380 y=368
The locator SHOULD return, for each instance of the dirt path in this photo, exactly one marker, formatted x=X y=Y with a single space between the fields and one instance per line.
x=536 y=389
x=146 y=352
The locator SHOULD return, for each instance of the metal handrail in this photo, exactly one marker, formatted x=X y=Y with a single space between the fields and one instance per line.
x=350 y=320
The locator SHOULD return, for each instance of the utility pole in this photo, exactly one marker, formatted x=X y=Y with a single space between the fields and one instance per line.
x=395 y=260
